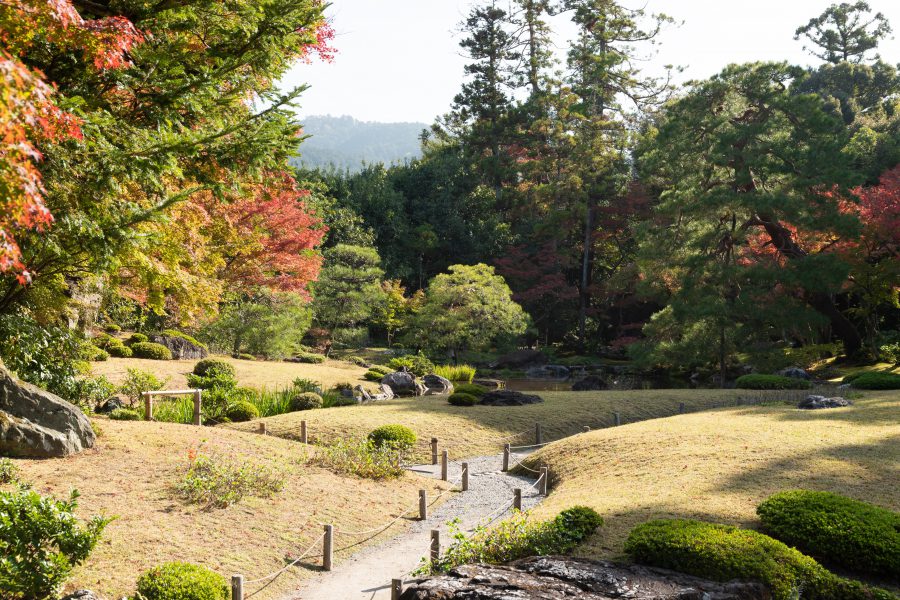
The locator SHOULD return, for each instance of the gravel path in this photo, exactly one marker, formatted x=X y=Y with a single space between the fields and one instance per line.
x=367 y=575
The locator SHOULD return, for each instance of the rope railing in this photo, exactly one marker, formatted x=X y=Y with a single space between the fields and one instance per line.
x=269 y=579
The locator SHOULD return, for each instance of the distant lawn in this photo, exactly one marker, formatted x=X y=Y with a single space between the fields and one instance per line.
x=719 y=465
x=251 y=373
x=129 y=472
x=477 y=430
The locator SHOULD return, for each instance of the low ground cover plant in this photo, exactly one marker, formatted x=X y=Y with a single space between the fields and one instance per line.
x=517 y=537
x=41 y=541
x=470 y=388
x=876 y=381
x=360 y=458
x=462 y=399
x=770 y=382
x=723 y=553
x=383 y=369
x=840 y=531
x=455 y=373
x=372 y=375
x=9 y=472
x=215 y=481
x=309 y=357
x=151 y=350
x=125 y=414
x=182 y=581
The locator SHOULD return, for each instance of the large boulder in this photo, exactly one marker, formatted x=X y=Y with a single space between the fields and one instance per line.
x=436 y=385
x=555 y=577
x=590 y=383
x=795 y=373
x=519 y=359
x=37 y=424
x=814 y=402
x=180 y=347
x=403 y=383
x=508 y=398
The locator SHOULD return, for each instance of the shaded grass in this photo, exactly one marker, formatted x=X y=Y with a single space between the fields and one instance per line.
x=718 y=466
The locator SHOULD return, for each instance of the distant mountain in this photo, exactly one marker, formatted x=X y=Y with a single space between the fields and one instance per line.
x=346 y=143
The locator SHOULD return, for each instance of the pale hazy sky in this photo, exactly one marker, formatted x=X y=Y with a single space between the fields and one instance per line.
x=399 y=60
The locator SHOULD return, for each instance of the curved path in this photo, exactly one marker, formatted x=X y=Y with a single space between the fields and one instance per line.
x=367 y=575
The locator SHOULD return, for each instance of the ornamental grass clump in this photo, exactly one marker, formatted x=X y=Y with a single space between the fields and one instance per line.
x=456 y=373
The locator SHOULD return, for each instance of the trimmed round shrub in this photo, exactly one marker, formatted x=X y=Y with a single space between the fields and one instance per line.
x=416 y=364
x=309 y=357
x=372 y=375
x=151 y=351
x=242 y=411
x=92 y=353
x=136 y=338
x=770 y=382
x=470 y=388
x=243 y=356
x=111 y=328
x=212 y=366
x=723 y=553
x=125 y=414
x=577 y=523
x=358 y=361
x=462 y=399
x=182 y=581
x=877 y=381
x=395 y=436
x=120 y=350
x=306 y=401
x=839 y=531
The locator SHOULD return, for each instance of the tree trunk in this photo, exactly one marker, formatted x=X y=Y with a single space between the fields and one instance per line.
x=584 y=293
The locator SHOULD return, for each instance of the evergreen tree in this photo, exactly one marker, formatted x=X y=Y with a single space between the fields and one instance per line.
x=348 y=288
x=844 y=32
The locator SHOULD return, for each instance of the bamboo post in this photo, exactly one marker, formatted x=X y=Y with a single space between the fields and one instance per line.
x=505 y=458
x=435 y=545
x=445 y=457
x=423 y=505
x=681 y=408
x=303 y=438
x=328 y=548
x=148 y=406
x=545 y=476
x=517 y=498
x=538 y=434
x=434 y=451
x=465 y=477
x=617 y=419
x=198 y=402
x=237 y=587
x=262 y=428
x=396 y=589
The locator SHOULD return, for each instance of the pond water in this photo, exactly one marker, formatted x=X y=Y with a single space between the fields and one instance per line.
x=538 y=385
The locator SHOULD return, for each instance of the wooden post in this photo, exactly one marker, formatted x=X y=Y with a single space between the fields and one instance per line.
x=538 y=434
x=517 y=498
x=545 y=480
x=434 y=454
x=505 y=458
x=328 y=548
x=681 y=408
x=237 y=587
x=396 y=589
x=262 y=428
x=435 y=544
x=303 y=438
x=423 y=505
x=148 y=406
x=586 y=428
x=445 y=457
x=198 y=402
x=465 y=477
x=617 y=419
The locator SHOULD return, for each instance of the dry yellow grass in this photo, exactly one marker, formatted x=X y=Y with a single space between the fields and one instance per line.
x=481 y=430
x=251 y=373
x=720 y=465
x=132 y=468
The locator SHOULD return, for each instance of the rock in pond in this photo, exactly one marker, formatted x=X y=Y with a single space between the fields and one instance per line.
x=437 y=385
x=508 y=398
x=815 y=402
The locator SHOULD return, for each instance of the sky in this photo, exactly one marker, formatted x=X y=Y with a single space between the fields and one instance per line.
x=399 y=60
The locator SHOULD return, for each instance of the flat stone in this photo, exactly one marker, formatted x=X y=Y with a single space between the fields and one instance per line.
x=813 y=402
x=509 y=398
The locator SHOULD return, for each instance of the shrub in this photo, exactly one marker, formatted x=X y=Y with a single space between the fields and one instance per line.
x=890 y=353
x=877 y=381
x=471 y=389
x=243 y=356
x=840 y=531
x=306 y=385
x=217 y=482
x=9 y=472
x=384 y=370
x=465 y=373
x=358 y=361
x=111 y=328
x=120 y=350
x=136 y=338
x=360 y=458
x=212 y=366
x=242 y=411
x=92 y=353
x=723 y=553
x=306 y=401
x=373 y=375
x=852 y=377
x=310 y=357
x=415 y=363
x=88 y=392
x=138 y=381
x=213 y=381
x=41 y=541
x=770 y=382
x=518 y=537
x=151 y=350
x=125 y=414
x=182 y=581
x=342 y=386
x=398 y=437
x=462 y=399
x=331 y=399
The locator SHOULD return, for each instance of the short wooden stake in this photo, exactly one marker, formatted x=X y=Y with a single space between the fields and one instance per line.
x=465 y=477
x=423 y=505
x=586 y=428
x=303 y=438
x=505 y=458
x=517 y=498
x=328 y=548
x=545 y=476
x=681 y=408
x=198 y=402
x=617 y=419
x=445 y=458
x=262 y=428
x=435 y=544
x=396 y=589
x=148 y=406
x=434 y=449
x=237 y=587
x=538 y=434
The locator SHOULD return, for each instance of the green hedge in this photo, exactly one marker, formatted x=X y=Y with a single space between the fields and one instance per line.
x=877 y=381
x=840 y=531
x=462 y=399
x=182 y=581
x=151 y=350
x=398 y=436
x=770 y=382
x=723 y=553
